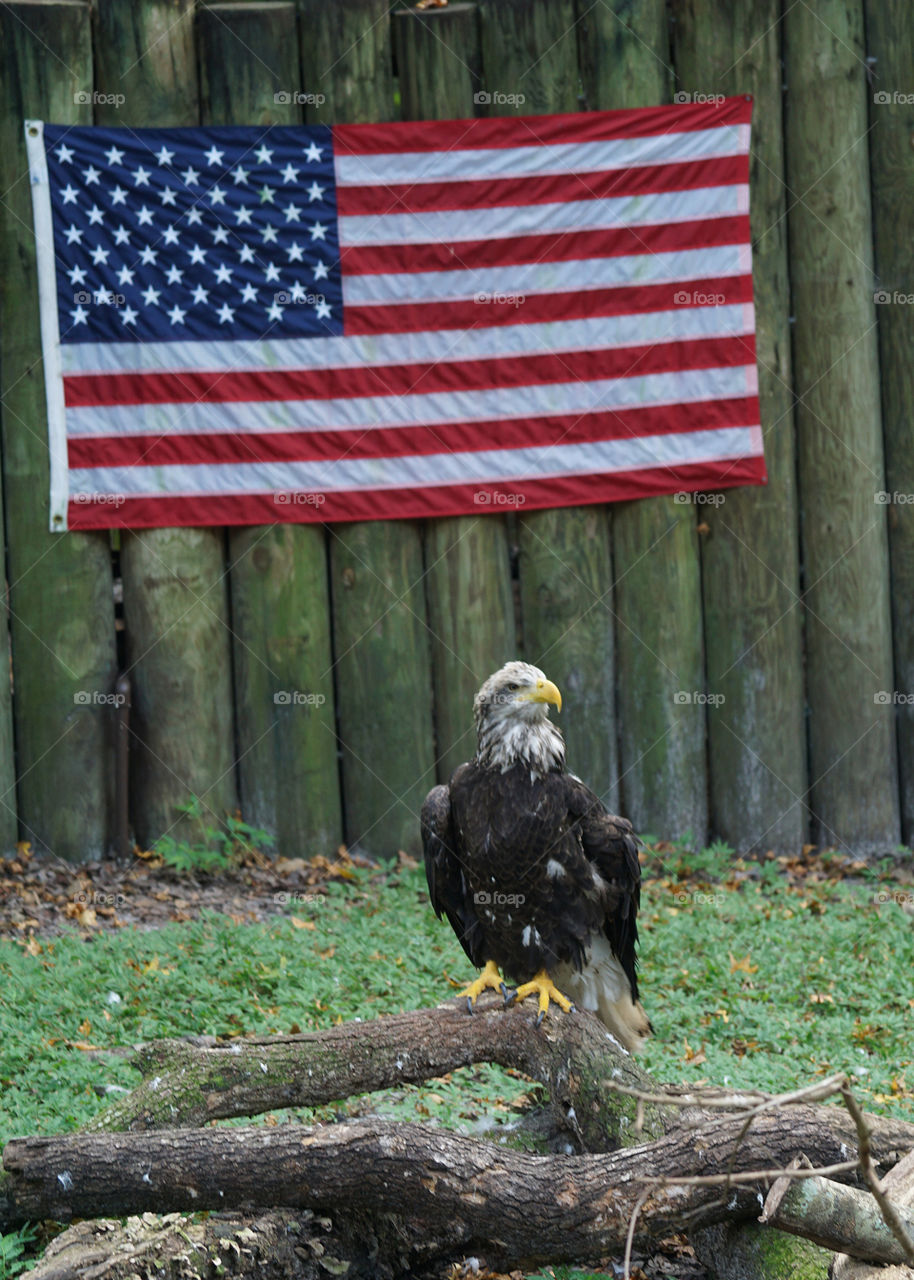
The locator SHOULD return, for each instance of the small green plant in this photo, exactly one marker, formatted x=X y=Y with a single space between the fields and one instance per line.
x=215 y=848
x=13 y=1248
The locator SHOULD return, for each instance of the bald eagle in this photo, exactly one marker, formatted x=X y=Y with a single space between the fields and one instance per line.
x=535 y=877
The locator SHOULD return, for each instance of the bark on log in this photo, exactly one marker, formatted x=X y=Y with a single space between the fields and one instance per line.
x=898 y=1185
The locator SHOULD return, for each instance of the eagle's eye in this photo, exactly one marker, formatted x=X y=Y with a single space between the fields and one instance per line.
x=512 y=688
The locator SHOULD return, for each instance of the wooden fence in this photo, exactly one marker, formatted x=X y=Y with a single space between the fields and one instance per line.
x=321 y=678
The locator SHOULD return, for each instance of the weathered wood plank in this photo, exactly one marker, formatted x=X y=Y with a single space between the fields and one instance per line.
x=381 y=645
x=890 y=40
x=60 y=591
x=657 y=603
x=288 y=772
x=853 y=761
x=530 y=65
x=468 y=566
x=175 y=599
x=750 y=556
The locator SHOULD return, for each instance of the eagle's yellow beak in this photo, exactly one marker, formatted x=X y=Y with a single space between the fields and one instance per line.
x=545 y=691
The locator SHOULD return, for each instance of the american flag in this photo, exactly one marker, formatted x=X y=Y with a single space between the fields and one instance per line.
x=247 y=325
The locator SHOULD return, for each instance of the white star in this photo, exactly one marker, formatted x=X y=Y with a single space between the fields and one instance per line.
x=201 y=294
x=151 y=296
x=148 y=256
x=217 y=196
x=175 y=275
x=268 y=235
x=191 y=177
x=80 y=315
x=313 y=153
x=171 y=236
x=246 y=253
x=114 y=155
x=293 y=213
x=197 y=254
x=274 y=312
x=298 y=292
x=168 y=196
x=242 y=217
x=295 y=251
x=165 y=156
x=118 y=196
x=289 y=174
x=240 y=176
x=91 y=175
x=64 y=154
x=321 y=271
x=323 y=311
x=128 y=316
x=266 y=195
x=96 y=217
x=248 y=293
x=145 y=216
x=223 y=274
x=74 y=235
x=272 y=272
x=214 y=155
x=318 y=231
x=99 y=256
x=77 y=275
x=226 y=314
x=220 y=235
x=69 y=194
x=176 y=314
x=102 y=297
x=121 y=236
x=141 y=177
x=264 y=155
x=314 y=192
x=125 y=276
x=193 y=217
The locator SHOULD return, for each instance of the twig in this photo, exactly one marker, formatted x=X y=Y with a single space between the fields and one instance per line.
x=868 y=1169
x=627 y=1260
x=751 y=1175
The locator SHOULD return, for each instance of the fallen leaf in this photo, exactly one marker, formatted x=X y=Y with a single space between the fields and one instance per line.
x=298 y=923
x=742 y=966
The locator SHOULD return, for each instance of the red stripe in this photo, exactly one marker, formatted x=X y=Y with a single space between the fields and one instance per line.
x=390 y=504
x=539 y=308
x=556 y=188
x=227 y=448
x=85 y=390
x=519 y=131
x=700 y=233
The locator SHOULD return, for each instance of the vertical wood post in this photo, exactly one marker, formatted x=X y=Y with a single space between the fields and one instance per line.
x=61 y=590
x=853 y=763
x=468 y=569
x=750 y=555
x=659 y=657
x=287 y=756
x=175 y=598
x=381 y=638
x=890 y=43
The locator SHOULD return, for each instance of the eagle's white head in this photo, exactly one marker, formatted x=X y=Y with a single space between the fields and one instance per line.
x=512 y=721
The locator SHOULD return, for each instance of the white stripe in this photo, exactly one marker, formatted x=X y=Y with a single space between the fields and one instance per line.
x=365 y=412
x=497 y=465
x=449 y=226
x=468 y=163
x=530 y=278
x=50 y=339
x=432 y=346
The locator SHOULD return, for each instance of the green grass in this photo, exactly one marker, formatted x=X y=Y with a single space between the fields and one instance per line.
x=751 y=982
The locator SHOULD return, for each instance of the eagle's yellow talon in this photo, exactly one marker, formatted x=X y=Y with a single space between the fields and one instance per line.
x=489 y=980
x=543 y=986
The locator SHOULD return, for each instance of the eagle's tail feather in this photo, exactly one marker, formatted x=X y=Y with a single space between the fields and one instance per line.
x=602 y=986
